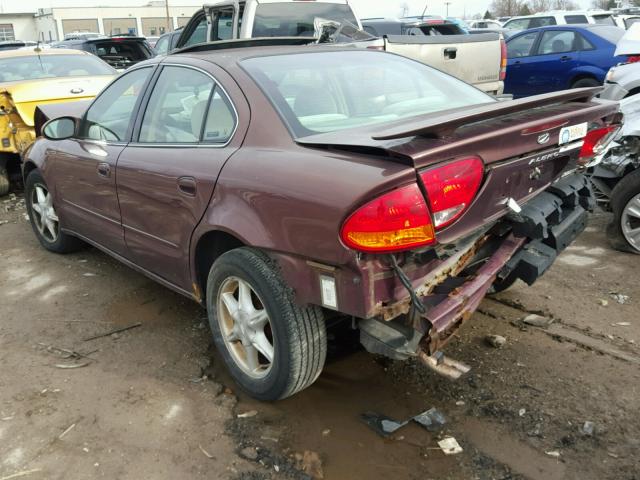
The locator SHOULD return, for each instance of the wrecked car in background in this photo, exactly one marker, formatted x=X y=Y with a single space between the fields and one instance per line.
x=364 y=187
x=615 y=175
x=32 y=77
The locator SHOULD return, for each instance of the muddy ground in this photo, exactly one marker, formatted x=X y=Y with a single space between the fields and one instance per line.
x=153 y=401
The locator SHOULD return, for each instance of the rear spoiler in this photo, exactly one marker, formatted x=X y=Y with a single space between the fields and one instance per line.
x=443 y=123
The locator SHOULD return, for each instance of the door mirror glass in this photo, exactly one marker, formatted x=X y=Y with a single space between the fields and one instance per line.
x=59 y=128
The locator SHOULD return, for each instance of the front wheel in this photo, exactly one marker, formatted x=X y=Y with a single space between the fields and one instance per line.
x=624 y=230
x=272 y=347
x=44 y=218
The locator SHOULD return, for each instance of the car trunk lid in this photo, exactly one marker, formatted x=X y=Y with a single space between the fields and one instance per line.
x=518 y=141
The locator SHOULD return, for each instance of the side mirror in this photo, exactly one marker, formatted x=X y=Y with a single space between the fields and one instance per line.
x=59 y=128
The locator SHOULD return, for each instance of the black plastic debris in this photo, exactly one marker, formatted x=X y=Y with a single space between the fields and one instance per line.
x=433 y=420
x=382 y=424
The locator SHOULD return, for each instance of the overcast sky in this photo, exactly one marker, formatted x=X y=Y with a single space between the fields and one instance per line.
x=365 y=8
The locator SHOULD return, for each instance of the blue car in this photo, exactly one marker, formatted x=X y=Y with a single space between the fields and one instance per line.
x=547 y=59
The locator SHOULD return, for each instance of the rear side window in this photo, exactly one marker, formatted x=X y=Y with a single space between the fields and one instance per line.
x=296 y=19
x=536 y=22
x=221 y=119
x=604 y=20
x=521 y=46
x=557 y=41
x=162 y=46
x=570 y=19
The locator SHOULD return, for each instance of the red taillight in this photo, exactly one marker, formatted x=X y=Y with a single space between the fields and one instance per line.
x=595 y=141
x=503 y=59
x=451 y=188
x=633 y=58
x=398 y=220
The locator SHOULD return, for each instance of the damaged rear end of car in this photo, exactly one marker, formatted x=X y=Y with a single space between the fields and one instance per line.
x=498 y=194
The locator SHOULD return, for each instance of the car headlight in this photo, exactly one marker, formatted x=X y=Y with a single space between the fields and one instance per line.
x=610 y=73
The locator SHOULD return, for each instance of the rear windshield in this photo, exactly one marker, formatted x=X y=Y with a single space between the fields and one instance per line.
x=295 y=19
x=122 y=53
x=51 y=66
x=329 y=91
x=611 y=34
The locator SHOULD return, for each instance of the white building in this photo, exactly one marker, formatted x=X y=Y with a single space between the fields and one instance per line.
x=51 y=24
x=17 y=26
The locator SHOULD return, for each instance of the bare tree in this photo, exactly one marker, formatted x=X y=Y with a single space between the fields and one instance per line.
x=505 y=8
x=603 y=4
x=564 y=5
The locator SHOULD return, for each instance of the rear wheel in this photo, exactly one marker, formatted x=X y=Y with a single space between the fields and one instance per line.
x=272 y=347
x=586 y=82
x=44 y=218
x=624 y=230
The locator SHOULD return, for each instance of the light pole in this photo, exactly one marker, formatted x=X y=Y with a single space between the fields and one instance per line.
x=447 y=5
x=169 y=22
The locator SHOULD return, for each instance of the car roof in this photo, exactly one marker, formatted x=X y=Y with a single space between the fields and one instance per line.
x=31 y=52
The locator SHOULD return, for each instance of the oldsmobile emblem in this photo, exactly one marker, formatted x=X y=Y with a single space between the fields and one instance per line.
x=543 y=138
x=77 y=90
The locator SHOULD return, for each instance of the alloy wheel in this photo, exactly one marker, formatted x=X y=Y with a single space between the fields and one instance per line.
x=630 y=222
x=245 y=327
x=44 y=215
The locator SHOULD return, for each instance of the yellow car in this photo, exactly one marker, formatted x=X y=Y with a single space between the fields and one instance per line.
x=35 y=76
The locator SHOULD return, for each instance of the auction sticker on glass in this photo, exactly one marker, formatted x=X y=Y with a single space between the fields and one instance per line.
x=572 y=132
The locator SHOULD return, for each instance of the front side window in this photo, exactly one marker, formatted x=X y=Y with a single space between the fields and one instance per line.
x=198 y=35
x=557 y=41
x=330 y=91
x=604 y=20
x=177 y=107
x=517 y=24
x=521 y=46
x=296 y=19
x=110 y=115
x=34 y=67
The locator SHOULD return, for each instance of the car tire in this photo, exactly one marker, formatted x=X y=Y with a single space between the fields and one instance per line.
x=586 y=82
x=4 y=178
x=295 y=335
x=50 y=235
x=625 y=195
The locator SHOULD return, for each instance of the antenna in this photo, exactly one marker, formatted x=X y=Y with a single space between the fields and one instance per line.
x=425 y=9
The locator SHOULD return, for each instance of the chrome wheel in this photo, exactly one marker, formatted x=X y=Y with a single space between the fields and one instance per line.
x=43 y=214
x=630 y=222
x=245 y=327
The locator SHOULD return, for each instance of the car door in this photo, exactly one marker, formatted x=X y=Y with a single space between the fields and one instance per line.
x=86 y=183
x=556 y=56
x=520 y=64
x=166 y=177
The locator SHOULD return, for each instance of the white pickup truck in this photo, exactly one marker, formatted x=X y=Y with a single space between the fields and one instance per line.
x=477 y=59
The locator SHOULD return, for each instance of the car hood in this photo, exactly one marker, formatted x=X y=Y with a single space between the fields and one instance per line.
x=27 y=95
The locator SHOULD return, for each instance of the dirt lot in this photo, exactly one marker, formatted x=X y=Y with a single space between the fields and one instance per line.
x=153 y=402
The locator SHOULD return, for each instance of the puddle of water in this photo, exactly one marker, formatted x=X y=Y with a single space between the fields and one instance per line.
x=492 y=440
x=347 y=388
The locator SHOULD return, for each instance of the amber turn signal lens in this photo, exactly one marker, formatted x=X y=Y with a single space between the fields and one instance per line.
x=398 y=220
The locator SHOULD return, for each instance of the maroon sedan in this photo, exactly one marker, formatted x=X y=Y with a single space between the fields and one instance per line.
x=283 y=187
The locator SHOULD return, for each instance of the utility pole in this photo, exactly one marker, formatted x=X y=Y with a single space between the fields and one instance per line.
x=169 y=20
x=447 y=5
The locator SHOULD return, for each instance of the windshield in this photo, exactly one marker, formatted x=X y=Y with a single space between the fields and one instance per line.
x=611 y=34
x=329 y=91
x=51 y=66
x=289 y=19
